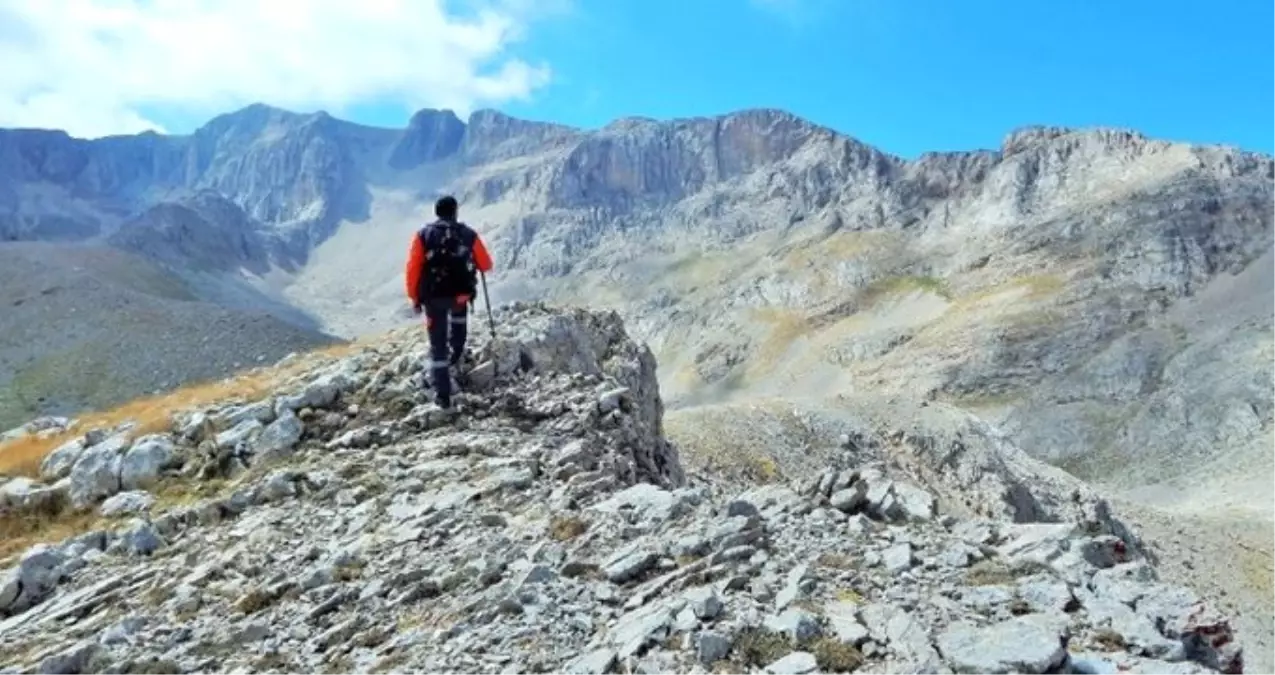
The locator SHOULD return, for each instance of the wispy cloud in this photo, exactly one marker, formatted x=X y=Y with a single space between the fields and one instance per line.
x=93 y=67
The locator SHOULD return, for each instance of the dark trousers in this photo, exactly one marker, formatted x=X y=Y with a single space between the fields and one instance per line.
x=446 y=319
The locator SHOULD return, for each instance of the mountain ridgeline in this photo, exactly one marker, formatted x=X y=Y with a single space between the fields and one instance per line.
x=1054 y=285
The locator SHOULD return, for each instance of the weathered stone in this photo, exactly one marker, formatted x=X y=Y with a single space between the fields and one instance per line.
x=127 y=503
x=144 y=463
x=96 y=474
x=1025 y=644
x=796 y=663
x=278 y=439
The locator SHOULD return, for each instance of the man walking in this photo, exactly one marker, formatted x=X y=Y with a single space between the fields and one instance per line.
x=441 y=281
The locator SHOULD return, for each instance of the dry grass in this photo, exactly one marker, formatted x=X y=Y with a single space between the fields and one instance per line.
x=1026 y=288
x=891 y=286
x=21 y=530
x=22 y=457
x=1257 y=569
x=988 y=573
x=782 y=328
x=851 y=596
x=153 y=414
x=836 y=561
x=813 y=260
x=997 y=573
x=699 y=269
x=759 y=647
x=1108 y=640
x=565 y=528
x=1020 y=305
x=736 y=440
x=18 y=532
x=842 y=245
x=763 y=470
x=834 y=656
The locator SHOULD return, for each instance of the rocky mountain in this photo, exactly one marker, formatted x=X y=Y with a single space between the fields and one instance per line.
x=345 y=523
x=1099 y=297
x=86 y=326
x=1043 y=283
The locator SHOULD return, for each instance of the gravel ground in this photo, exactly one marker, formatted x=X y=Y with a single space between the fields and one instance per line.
x=84 y=327
x=1228 y=561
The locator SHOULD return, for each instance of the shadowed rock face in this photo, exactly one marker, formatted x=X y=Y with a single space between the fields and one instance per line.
x=205 y=231
x=1043 y=284
x=431 y=135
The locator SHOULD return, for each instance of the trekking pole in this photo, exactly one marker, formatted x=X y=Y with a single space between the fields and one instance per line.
x=491 y=321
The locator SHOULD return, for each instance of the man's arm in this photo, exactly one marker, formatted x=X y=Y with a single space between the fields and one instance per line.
x=415 y=267
x=482 y=259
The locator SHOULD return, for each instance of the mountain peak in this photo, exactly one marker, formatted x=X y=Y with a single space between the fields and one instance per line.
x=491 y=133
x=428 y=115
x=431 y=135
x=1025 y=137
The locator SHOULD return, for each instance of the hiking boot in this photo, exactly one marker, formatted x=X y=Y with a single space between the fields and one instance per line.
x=451 y=407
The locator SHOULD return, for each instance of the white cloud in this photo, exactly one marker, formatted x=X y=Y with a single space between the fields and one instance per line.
x=93 y=67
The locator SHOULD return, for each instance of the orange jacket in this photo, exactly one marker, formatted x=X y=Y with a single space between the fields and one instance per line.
x=416 y=263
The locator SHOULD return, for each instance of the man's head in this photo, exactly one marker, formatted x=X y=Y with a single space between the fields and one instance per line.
x=445 y=208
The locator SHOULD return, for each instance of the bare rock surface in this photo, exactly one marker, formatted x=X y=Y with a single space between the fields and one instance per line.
x=549 y=526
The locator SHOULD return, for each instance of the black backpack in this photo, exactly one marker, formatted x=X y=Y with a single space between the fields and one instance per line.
x=449 y=260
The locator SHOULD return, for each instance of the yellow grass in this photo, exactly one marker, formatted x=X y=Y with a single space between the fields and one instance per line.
x=699 y=270
x=22 y=456
x=18 y=533
x=1031 y=287
x=842 y=245
x=785 y=327
x=1257 y=568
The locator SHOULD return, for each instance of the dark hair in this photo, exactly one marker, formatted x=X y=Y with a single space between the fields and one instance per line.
x=446 y=208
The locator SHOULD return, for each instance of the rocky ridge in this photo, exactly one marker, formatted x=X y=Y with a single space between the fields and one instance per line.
x=350 y=525
x=1047 y=283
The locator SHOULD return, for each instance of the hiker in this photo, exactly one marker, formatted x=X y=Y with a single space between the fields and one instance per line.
x=441 y=281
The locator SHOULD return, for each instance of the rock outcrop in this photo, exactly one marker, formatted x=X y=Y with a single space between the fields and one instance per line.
x=549 y=526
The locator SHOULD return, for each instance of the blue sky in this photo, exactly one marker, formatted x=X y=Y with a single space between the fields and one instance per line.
x=905 y=75
x=916 y=75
